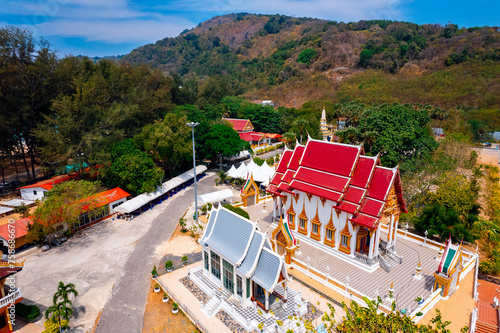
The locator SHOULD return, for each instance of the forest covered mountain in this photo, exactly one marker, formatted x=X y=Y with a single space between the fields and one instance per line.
x=295 y=60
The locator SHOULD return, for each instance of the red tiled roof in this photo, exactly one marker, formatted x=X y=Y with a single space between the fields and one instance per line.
x=367 y=221
x=251 y=136
x=7 y=270
x=284 y=160
x=110 y=196
x=323 y=179
x=363 y=170
x=487 y=314
x=272 y=135
x=238 y=124
x=348 y=207
x=340 y=173
x=49 y=183
x=296 y=156
x=276 y=178
x=319 y=191
x=380 y=183
x=288 y=176
x=284 y=187
x=20 y=228
x=273 y=189
x=331 y=157
x=372 y=207
x=354 y=194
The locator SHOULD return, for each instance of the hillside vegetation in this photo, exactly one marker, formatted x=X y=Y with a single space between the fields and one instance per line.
x=294 y=60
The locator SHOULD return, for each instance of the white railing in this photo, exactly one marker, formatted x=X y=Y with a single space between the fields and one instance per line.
x=473 y=319
x=426 y=306
x=10 y=298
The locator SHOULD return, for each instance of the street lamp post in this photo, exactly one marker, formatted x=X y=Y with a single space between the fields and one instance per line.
x=193 y=125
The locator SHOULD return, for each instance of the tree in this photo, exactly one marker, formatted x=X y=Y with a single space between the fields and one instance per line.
x=132 y=169
x=300 y=125
x=221 y=141
x=61 y=305
x=64 y=203
x=306 y=56
x=168 y=141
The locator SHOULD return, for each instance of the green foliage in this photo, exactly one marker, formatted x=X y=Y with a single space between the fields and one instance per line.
x=168 y=141
x=237 y=210
x=169 y=264
x=221 y=140
x=28 y=312
x=397 y=132
x=182 y=223
x=132 y=169
x=154 y=272
x=63 y=203
x=61 y=309
x=259 y=161
x=22 y=210
x=54 y=327
x=306 y=56
x=365 y=56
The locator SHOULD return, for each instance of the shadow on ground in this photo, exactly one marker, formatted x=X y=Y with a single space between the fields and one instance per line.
x=177 y=261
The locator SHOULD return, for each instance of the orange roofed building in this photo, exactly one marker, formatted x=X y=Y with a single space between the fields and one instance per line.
x=246 y=131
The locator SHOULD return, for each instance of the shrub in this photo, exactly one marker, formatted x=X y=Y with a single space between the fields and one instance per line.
x=53 y=326
x=306 y=56
x=154 y=272
x=28 y=312
x=169 y=264
x=237 y=210
x=184 y=259
x=175 y=305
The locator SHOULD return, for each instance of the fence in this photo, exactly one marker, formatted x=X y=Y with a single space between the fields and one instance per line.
x=426 y=306
x=184 y=309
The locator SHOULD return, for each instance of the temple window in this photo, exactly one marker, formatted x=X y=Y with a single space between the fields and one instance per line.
x=239 y=286
x=345 y=239
x=303 y=221
x=330 y=232
x=207 y=264
x=316 y=226
x=291 y=216
x=215 y=264
x=228 y=276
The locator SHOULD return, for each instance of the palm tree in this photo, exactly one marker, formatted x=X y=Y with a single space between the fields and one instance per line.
x=63 y=291
x=58 y=310
x=300 y=124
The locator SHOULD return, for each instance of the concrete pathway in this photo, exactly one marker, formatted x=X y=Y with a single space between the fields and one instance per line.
x=125 y=309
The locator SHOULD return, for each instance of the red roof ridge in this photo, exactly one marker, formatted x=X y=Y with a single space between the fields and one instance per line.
x=305 y=167
x=335 y=143
x=320 y=187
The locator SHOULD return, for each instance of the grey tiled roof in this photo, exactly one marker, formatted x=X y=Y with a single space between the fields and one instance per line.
x=268 y=268
x=209 y=227
x=230 y=235
x=252 y=255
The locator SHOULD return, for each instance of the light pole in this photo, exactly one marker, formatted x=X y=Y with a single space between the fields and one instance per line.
x=193 y=125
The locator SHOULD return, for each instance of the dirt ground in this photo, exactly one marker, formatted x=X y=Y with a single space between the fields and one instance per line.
x=458 y=308
x=488 y=157
x=158 y=316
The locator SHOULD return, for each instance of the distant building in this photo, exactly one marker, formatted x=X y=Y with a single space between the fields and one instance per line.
x=438 y=132
x=9 y=294
x=328 y=130
x=246 y=131
x=37 y=191
x=264 y=102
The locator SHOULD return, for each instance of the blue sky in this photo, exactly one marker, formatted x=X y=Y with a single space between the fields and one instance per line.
x=112 y=27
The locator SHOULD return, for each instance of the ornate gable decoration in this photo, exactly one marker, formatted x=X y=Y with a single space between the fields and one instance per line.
x=281 y=235
x=303 y=213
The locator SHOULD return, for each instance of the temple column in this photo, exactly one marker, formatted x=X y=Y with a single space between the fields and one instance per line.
x=354 y=240
x=372 y=244
x=284 y=288
x=395 y=232
x=275 y=201
x=267 y=299
x=280 y=206
x=391 y=229
x=377 y=241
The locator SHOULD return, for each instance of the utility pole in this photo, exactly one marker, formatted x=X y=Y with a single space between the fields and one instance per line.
x=193 y=125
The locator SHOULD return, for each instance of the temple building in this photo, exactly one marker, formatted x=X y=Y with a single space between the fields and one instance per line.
x=337 y=196
x=9 y=294
x=246 y=131
x=239 y=259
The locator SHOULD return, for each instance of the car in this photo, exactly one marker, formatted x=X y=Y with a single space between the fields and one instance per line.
x=15 y=183
x=5 y=185
x=58 y=241
x=45 y=247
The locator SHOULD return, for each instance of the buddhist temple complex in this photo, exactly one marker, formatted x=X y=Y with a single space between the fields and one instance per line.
x=246 y=131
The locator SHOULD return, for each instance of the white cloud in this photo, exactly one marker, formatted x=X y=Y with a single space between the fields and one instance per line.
x=118 y=31
x=326 y=9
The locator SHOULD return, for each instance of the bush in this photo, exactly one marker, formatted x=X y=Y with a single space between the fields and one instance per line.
x=154 y=272
x=28 y=312
x=306 y=56
x=237 y=210
x=175 y=305
x=53 y=326
x=169 y=264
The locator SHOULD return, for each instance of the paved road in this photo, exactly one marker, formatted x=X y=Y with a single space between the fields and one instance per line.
x=125 y=309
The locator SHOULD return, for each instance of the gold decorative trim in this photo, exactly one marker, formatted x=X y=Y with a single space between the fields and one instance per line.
x=290 y=211
x=303 y=216
x=345 y=232
x=316 y=221
x=330 y=226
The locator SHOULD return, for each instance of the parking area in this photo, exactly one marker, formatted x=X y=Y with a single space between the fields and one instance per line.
x=93 y=260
